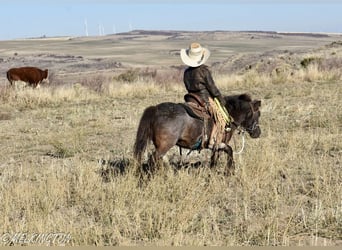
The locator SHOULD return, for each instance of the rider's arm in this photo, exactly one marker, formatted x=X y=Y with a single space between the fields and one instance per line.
x=211 y=86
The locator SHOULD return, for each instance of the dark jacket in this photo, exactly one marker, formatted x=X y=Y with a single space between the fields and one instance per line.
x=198 y=80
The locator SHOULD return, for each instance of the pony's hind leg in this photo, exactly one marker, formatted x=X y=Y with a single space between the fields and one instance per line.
x=151 y=163
x=154 y=161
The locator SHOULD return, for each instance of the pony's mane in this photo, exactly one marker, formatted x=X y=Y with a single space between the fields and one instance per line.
x=245 y=97
x=237 y=101
x=235 y=98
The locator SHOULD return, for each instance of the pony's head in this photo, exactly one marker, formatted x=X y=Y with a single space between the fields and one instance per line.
x=246 y=113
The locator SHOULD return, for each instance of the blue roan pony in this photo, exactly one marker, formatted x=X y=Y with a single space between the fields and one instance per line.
x=169 y=124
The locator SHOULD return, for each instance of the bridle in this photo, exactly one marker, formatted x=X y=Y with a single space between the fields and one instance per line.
x=241 y=130
x=253 y=127
x=255 y=124
x=250 y=128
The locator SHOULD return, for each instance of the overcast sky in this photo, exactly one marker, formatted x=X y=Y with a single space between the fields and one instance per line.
x=35 y=18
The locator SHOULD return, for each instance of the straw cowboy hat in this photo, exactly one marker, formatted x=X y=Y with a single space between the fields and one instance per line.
x=195 y=55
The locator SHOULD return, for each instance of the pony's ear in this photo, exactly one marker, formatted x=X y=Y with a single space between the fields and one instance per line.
x=256 y=104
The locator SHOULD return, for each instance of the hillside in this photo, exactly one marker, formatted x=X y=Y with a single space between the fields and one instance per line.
x=231 y=51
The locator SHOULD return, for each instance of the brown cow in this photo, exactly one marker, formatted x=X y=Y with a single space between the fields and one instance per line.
x=31 y=75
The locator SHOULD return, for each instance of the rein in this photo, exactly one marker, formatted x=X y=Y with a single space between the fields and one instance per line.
x=242 y=132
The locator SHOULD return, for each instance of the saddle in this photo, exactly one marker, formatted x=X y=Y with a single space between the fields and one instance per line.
x=195 y=106
x=213 y=129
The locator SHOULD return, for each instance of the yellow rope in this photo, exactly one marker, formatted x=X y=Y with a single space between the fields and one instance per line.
x=218 y=131
x=227 y=118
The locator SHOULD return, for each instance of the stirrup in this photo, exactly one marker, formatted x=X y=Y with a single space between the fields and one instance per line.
x=227 y=128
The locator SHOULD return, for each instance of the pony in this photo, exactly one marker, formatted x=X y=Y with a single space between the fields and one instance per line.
x=169 y=124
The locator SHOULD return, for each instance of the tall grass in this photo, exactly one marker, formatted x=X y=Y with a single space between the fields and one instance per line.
x=58 y=144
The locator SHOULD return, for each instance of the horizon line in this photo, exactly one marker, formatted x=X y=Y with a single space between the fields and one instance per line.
x=176 y=31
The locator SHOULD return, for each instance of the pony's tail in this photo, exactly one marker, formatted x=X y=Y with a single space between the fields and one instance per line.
x=144 y=133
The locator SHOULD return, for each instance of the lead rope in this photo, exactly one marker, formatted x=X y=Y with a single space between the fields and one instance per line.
x=243 y=143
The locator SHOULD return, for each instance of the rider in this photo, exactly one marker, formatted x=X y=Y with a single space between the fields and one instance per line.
x=198 y=80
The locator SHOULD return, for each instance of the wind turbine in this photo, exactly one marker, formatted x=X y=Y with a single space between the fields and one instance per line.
x=101 y=29
x=86 y=27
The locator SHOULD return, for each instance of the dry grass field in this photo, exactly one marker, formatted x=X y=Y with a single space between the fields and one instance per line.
x=66 y=149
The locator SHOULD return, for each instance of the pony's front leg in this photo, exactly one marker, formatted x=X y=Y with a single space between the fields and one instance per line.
x=214 y=158
x=230 y=167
